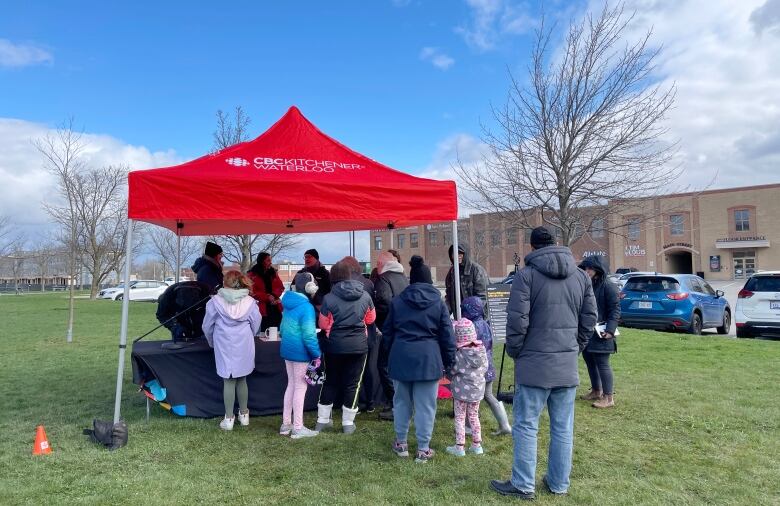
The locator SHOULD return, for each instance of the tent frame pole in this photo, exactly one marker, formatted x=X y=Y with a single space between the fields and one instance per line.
x=179 y=226
x=123 y=328
x=456 y=268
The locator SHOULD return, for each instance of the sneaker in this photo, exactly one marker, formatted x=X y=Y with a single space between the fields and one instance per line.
x=424 y=456
x=547 y=486
x=227 y=423
x=476 y=450
x=506 y=488
x=302 y=433
x=456 y=450
x=400 y=448
x=285 y=430
x=243 y=418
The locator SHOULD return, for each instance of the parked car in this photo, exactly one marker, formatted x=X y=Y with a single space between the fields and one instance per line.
x=143 y=289
x=758 y=306
x=674 y=302
x=625 y=270
x=621 y=281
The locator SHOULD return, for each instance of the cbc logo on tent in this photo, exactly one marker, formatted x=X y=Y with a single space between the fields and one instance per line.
x=237 y=162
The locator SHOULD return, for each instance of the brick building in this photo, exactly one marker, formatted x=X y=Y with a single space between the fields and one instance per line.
x=724 y=234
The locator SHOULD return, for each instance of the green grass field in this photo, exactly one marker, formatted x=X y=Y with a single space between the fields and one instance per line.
x=697 y=422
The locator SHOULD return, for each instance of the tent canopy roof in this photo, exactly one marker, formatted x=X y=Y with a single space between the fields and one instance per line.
x=291 y=179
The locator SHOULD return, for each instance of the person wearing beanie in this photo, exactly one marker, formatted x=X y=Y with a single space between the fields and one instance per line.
x=467 y=383
x=420 y=340
x=473 y=309
x=312 y=265
x=390 y=282
x=551 y=315
x=601 y=345
x=208 y=268
x=344 y=316
x=267 y=288
x=473 y=278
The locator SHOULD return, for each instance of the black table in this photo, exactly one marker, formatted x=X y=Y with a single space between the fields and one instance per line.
x=189 y=376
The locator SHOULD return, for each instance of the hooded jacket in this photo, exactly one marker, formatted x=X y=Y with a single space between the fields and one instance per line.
x=608 y=303
x=473 y=309
x=298 y=329
x=391 y=282
x=551 y=315
x=208 y=271
x=418 y=334
x=232 y=320
x=344 y=315
x=467 y=375
x=473 y=279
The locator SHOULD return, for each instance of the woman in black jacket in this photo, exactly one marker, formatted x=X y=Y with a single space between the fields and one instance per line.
x=601 y=345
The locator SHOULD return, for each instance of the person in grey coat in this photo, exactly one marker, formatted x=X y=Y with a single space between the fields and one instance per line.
x=551 y=315
x=473 y=278
x=601 y=345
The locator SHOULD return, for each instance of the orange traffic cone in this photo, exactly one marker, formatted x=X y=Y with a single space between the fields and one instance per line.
x=41 y=446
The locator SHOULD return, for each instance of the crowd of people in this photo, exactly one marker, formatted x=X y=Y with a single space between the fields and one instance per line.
x=336 y=321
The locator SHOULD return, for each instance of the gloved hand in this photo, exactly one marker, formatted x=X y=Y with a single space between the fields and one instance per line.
x=316 y=363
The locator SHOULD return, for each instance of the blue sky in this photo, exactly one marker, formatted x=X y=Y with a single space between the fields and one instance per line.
x=154 y=74
x=406 y=82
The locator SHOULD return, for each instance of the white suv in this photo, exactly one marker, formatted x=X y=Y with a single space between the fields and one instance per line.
x=144 y=289
x=758 y=306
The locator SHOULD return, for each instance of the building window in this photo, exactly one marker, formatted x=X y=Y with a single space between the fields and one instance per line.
x=495 y=237
x=378 y=242
x=511 y=236
x=433 y=239
x=633 y=229
x=676 y=224
x=479 y=239
x=597 y=227
x=401 y=241
x=742 y=220
x=413 y=242
x=447 y=237
x=527 y=238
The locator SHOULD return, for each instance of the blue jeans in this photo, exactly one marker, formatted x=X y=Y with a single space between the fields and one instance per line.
x=418 y=397
x=527 y=407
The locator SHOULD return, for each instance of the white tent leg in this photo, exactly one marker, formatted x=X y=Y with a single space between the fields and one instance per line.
x=123 y=327
x=178 y=254
x=456 y=267
x=391 y=239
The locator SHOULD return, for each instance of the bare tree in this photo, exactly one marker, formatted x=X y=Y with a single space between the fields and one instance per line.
x=62 y=153
x=163 y=244
x=585 y=132
x=42 y=256
x=241 y=249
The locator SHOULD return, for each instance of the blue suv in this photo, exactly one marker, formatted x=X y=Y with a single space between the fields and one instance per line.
x=675 y=302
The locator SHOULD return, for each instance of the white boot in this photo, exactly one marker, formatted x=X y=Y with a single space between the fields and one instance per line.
x=502 y=419
x=323 y=417
x=348 y=419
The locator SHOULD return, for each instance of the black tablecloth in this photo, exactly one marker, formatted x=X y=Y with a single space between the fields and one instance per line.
x=189 y=376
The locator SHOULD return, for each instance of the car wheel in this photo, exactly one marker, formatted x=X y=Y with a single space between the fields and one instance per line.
x=695 y=327
x=742 y=334
x=724 y=329
x=120 y=297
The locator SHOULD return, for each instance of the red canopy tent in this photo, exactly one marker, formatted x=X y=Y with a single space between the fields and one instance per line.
x=291 y=179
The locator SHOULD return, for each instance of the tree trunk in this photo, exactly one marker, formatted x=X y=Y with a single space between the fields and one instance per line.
x=246 y=252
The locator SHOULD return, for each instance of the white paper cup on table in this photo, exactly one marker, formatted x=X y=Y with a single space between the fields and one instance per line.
x=272 y=333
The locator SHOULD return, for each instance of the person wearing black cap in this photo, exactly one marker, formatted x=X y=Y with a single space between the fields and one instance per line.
x=473 y=278
x=312 y=265
x=551 y=315
x=420 y=338
x=208 y=268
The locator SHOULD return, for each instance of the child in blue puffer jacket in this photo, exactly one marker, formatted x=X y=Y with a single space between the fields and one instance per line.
x=299 y=347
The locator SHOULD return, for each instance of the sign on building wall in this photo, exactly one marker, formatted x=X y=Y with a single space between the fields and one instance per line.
x=714 y=263
x=497 y=299
x=634 y=250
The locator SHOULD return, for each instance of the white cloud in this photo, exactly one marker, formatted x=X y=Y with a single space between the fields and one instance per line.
x=493 y=19
x=436 y=57
x=22 y=55
x=25 y=184
x=767 y=17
